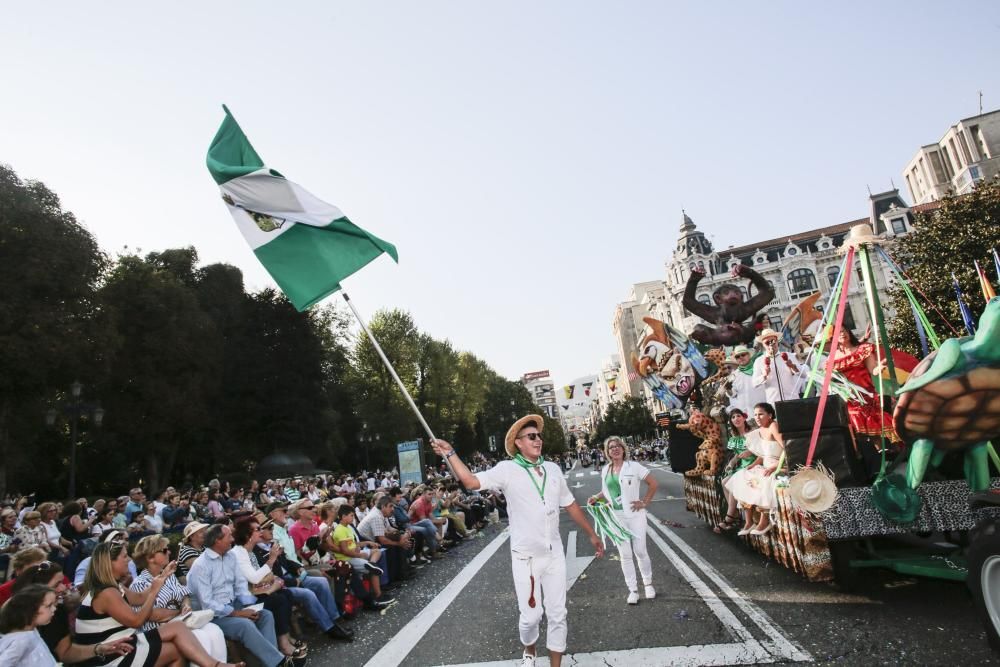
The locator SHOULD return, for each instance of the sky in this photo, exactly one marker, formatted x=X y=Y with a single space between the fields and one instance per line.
x=529 y=160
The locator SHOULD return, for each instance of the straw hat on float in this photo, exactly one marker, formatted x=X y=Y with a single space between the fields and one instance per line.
x=860 y=235
x=518 y=426
x=812 y=489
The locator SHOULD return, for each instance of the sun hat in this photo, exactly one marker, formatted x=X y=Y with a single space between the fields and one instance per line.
x=812 y=489
x=607 y=442
x=740 y=349
x=276 y=505
x=192 y=528
x=895 y=500
x=518 y=426
x=767 y=333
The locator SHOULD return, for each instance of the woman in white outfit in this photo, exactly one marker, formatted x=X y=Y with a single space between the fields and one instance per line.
x=620 y=482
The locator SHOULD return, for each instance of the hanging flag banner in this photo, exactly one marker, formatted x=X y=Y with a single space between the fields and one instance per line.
x=568 y=390
x=307 y=245
x=611 y=384
x=586 y=388
x=984 y=282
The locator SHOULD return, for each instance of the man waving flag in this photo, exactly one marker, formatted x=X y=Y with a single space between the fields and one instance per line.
x=307 y=245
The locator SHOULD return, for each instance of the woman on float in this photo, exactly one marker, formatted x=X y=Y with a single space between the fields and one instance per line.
x=754 y=485
x=741 y=458
x=620 y=482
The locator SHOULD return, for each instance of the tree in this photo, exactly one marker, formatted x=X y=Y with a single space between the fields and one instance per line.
x=944 y=241
x=49 y=267
x=623 y=418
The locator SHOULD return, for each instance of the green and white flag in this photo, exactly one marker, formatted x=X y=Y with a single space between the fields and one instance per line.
x=307 y=245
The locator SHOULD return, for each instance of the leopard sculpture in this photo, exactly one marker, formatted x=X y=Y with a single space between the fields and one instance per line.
x=708 y=458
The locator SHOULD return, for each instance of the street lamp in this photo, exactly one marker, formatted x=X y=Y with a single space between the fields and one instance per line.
x=74 y=410
x=366 y=439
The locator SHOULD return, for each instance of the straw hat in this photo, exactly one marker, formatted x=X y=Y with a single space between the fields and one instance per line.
x=508 y=442
x=619 y=439
x=812 y=489
x=767 y=333
x=740 y=349
x=193 y=528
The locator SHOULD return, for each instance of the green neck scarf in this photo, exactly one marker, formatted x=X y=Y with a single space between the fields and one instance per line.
x=528 y=465
x=747 y=370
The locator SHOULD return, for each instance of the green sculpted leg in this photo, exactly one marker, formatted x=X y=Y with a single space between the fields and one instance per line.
x=977 y=467
x=920 y=455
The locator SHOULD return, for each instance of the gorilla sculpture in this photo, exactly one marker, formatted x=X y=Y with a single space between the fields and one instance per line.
x=730 y=312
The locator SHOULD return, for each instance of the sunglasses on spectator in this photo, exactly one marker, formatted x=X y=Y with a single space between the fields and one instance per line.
x=164 y=550
x=532 y=436
x=45 y=566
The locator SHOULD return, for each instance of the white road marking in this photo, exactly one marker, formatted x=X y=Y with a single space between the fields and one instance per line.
x=396 y=649
x=575 y=565
x=676 y=656
x=579 y=474
x=594 y=472
x=779 y=644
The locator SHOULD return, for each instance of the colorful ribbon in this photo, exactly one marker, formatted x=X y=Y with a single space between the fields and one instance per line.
x=606 y=524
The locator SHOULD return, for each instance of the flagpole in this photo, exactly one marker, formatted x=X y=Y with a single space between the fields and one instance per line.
x=395 y=376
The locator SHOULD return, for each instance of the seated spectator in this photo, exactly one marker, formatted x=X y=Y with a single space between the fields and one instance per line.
x=136 y=504
x=103 y=521
x=192 y=545
x=215 y=583
x=151 y=556
x=106 y=613
x=9 y=544
x=421 y=511
x=120 y=522
x=266 y=587
x=20 y=562
x=215 y=508
x=174 y=515
x=360 y=555
x=152 y=523
x=32 y=533
x=396 y=544
x=80 y=573
x=305 y=526
x=20 y=618
x=58 y=547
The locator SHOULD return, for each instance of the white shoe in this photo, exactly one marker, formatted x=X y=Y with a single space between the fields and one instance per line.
x=633 y=597
x=527 y=660
x=650 y=592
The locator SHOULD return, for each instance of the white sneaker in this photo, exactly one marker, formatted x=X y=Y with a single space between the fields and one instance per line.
x=633 y=597
x=650 y=592
x=527 y=660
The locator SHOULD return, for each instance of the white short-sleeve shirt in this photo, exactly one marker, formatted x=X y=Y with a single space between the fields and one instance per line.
x=534 y=519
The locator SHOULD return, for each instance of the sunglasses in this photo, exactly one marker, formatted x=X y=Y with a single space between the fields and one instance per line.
x=532 y=436
x=44 y=566
x=164 y=550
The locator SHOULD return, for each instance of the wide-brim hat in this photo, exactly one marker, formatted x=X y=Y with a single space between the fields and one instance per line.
x=740 y=349
x=193 y=528
x=895 y=500
x=812 y=489
x=767 y=333
x=508 y=442
x=731 y=361
x=276 y=505
x=608 y=440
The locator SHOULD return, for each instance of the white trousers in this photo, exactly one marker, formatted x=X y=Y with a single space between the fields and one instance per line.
x=211 y=639
x=549 y=593
x=636 y=524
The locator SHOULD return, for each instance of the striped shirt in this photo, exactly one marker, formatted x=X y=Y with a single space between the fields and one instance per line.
x=95 y=628
x=185 y=558
x=170 y=596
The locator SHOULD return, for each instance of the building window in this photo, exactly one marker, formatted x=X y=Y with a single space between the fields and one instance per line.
x=753 y=290
x=792 y=252
x=703 y=298
x=743 y=292
x=831 y=275
x=701 y=266
x=898 y=226
x=776 y=323
x=760 y=259
x=801 y=280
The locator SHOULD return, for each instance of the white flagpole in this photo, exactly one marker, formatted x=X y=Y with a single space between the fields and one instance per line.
x=392 y=371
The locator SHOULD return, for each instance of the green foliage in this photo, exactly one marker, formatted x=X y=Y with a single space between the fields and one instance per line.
x=947 y=240
x=197 y=377
x=627 y=417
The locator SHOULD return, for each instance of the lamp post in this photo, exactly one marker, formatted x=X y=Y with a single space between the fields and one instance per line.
x=74 y=409
x=366 y=439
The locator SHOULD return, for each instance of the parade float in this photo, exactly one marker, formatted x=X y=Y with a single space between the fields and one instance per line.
x=854 y=473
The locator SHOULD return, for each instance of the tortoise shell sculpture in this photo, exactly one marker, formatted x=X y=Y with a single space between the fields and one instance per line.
x=951 y=402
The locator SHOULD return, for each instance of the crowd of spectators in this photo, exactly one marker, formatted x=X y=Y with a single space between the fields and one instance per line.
x=205 y=573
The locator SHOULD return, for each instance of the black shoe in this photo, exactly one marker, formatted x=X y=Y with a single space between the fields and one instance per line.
x=386 y=598
x=374 y=569
x=337 y=632
x=378 y=606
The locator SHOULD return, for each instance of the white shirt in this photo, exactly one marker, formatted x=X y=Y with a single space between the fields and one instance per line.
x=534 y=519
x=782 y=383
x=629 y=478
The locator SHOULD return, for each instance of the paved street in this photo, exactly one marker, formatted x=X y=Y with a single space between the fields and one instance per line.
x=717 y=603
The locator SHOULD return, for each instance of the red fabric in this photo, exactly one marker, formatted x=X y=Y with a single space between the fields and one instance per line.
x=420 y=509
x=866 y=418
x=5 y=590
x=300 y=534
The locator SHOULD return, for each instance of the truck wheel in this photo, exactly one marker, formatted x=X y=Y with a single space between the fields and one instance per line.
x=984 y=577
x=845 y=577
